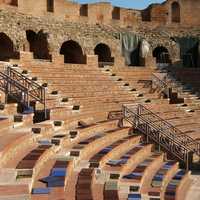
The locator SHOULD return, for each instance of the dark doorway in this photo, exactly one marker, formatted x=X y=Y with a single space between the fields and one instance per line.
x=191 y=57
x=175 y=9
x=84 y=10
x=104 y=54
x=116 y=13
x=7 y=48
x=50 y=5
x=72 y=52
x=135 y=57
x=38 y=44
x=162 y=55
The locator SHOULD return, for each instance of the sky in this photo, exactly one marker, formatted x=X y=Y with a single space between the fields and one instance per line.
x=137 y=4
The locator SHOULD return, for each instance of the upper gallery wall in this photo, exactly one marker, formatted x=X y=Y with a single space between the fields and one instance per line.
x=170 y=13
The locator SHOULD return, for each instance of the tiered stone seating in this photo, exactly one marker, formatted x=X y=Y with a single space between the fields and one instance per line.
x=181 y=116
x=52 y=180
x=82 y=85
x=161 y=179
x=79 y=153
x=84 y=184
x=174 y=189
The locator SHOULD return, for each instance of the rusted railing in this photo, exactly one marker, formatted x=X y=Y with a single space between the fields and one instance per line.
x=161 y=84
x=161 y=132
x=21 y=88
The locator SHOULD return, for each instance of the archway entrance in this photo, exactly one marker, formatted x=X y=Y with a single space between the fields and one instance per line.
x=104 y=54
x=175 y=10
x=38 y=44
x=135 y=57
x=72 y=52
x=162 y=56
x=7 y=48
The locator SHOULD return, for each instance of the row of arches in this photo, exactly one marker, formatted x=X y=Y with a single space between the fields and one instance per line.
x=73 y=52
x=38 y=44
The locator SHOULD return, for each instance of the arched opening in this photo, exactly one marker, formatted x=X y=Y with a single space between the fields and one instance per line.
x=175 y=10
x=38 y=44
x=7 y=48
x=84 y=10
x=72 y=52
x=104 y=54
x=116 y=13
x=191 y=56
x=162 y=56
x=189 y=50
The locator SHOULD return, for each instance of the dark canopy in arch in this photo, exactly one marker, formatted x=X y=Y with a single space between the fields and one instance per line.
x=72 y=52
x=161 y=54
x=7 y=48
x=104 y=53
x=175 y=12
x=38 y=44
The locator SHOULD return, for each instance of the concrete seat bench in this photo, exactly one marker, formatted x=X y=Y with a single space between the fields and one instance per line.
x=161 y=179
x=18 y=191
x=84 y=184
x=13 y=145
x=26 y=165
x=97 y=158
x=56 y=179
x=110 y=191
x=89 y=146
x=137 y=174
x=176 y=189
x=118 y=164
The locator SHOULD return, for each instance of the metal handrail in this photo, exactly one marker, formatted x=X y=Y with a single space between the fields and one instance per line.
x=175 y=137
x=13 y=82
x=28 y=83
x=161 y=83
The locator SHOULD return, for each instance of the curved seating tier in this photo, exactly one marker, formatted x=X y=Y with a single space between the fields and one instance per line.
x=80 y=154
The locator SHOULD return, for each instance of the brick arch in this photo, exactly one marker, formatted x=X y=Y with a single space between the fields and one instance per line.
x=161 y=54
x=72 y=52
x=64 y=38
x=38 y=44
x=172 y=47
x=104 y=52
x=7 y=48
x=114 y=45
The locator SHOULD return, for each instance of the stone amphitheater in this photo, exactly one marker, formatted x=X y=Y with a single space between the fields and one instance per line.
x=99 y=102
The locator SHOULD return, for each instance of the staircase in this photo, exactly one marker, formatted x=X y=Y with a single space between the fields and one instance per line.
x=164 y=85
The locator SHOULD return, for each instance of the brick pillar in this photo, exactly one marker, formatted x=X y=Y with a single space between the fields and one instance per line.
x=92 y=61
x=150 y=62
x=119 y=61
x=26 y=56
x=57 y=58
